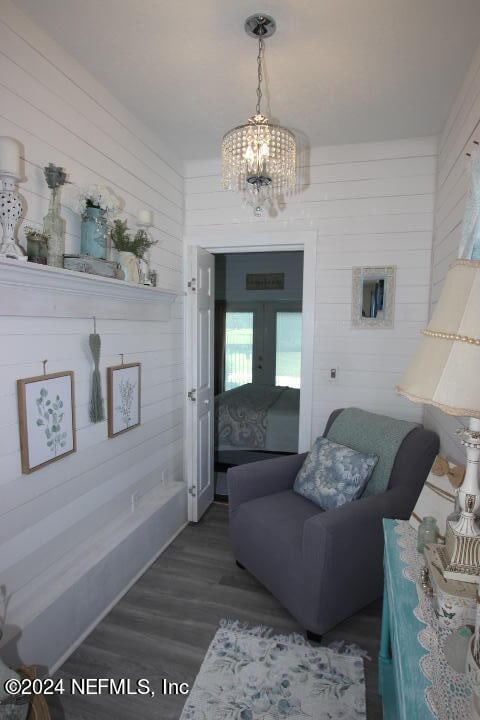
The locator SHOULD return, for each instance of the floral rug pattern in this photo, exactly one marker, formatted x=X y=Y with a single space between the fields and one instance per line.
x=250 y=674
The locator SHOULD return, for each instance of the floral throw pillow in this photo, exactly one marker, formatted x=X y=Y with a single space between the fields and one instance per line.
x=333 y=475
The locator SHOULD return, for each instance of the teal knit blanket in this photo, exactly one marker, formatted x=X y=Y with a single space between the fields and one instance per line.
x=368 y=432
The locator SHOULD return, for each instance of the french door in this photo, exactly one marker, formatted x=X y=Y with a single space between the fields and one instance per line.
x=263 y=344
x=200 y=404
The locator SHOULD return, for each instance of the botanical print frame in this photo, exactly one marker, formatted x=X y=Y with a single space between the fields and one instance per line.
x=123 y=398
x=46 y=412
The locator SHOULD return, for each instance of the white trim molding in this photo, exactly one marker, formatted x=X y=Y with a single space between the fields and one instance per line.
x=67 y=293
x=243 y=241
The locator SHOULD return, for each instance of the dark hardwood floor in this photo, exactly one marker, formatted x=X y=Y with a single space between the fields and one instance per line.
x=162 y=627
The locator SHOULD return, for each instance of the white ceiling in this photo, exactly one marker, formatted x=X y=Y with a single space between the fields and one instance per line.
x=339 y=71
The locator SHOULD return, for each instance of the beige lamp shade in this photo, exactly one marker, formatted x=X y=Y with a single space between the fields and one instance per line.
x=445 y=371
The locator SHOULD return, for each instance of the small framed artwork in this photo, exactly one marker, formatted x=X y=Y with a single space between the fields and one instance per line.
x=373 y=296
x=47 y=419
x=123 y=398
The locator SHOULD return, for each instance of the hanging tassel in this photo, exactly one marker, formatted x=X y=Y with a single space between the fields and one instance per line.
x=96 y=399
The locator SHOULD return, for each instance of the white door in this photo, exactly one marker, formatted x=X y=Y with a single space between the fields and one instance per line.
x=200 y=402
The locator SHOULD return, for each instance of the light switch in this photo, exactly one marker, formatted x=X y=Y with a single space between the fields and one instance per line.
x=333 y=374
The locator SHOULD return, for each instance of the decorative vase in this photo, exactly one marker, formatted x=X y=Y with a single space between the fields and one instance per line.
x=94 y=233
x=54 y=227
x=129 y=264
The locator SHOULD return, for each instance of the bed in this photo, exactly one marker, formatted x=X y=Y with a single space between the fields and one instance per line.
x=257 y=418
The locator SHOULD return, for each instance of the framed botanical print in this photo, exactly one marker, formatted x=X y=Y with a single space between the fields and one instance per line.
x=123 y=398
x=46 y=411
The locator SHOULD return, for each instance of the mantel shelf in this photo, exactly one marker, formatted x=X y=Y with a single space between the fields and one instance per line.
x=82 y=294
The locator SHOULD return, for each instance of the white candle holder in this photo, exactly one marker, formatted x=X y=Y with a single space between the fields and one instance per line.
x=10 y=213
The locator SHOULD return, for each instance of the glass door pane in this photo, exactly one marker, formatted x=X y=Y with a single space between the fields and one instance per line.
x=288 y=356
x=238 y=348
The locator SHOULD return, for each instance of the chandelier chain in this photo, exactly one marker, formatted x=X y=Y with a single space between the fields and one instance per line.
x=259 y=73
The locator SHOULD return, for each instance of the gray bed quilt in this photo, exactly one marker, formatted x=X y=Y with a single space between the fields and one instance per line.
x=243 y=416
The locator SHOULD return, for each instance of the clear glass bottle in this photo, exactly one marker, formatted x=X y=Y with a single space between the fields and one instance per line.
x=427 y=533
x=54 y=227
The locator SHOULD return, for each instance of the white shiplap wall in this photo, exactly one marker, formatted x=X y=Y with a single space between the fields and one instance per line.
x=463 y=127
x=58 y=522
x=370 y=204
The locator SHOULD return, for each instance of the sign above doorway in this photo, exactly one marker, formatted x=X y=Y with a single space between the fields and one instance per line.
x=265 y=281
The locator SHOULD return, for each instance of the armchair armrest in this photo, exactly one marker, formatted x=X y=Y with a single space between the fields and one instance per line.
x=342 y=555
x=247 y=482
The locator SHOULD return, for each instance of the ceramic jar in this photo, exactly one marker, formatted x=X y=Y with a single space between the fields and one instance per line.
x=129 y=264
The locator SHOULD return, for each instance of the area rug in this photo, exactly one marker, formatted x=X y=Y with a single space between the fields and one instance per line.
x=252 y=674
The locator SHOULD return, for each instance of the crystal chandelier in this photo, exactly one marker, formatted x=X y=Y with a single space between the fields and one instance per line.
x=259 y=157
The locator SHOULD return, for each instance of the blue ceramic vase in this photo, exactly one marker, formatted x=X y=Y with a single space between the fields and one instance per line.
x=94 y=233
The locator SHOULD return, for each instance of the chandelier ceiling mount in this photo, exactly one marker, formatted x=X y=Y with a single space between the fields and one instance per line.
x=260 y=26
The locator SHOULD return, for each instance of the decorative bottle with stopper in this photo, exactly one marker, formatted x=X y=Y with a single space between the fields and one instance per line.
x=53 y=223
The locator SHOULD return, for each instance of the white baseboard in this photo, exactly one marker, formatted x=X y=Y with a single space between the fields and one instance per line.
x=53 y=669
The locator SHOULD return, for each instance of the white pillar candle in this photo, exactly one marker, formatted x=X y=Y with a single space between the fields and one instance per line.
x=10 y=157
x=145 y=216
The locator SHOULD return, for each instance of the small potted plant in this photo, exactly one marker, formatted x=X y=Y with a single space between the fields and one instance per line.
x=37 y=245
x=130 y=251
x=94 y=203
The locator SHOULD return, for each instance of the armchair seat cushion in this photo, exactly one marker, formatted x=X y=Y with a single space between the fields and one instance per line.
x=274 y=523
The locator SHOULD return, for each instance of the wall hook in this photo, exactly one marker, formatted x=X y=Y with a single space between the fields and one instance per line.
x=475 y=142
x=44 y=366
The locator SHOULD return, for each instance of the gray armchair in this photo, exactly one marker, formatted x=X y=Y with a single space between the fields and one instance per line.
x=322 y=566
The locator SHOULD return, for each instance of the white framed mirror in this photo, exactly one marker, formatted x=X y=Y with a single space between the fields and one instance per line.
x=373 y=296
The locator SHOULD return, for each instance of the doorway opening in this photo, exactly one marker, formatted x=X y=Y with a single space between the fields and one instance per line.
x=257 y=358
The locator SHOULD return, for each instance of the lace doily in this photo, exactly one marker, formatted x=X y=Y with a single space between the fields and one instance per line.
x=448 y=695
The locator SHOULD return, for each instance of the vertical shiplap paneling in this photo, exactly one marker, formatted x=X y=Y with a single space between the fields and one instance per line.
x=463 y=126
x=370 y=204
x=62 y=115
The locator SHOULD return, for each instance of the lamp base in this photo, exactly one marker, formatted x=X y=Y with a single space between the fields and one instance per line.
x=10 y=213
x=460 y=556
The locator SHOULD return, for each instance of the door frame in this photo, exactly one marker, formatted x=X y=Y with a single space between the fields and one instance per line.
x=247 y=242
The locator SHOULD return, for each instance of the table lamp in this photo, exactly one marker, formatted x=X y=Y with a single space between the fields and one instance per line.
x=445 y=373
